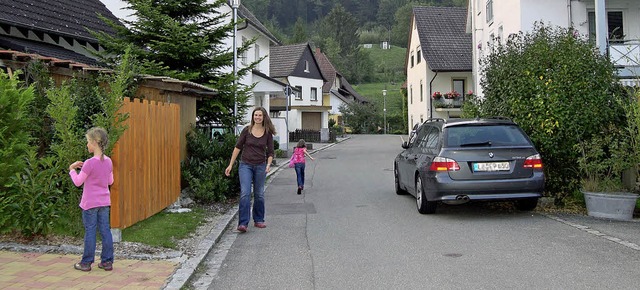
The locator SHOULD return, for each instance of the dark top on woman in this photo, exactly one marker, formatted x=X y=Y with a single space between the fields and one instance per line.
x=255 y=150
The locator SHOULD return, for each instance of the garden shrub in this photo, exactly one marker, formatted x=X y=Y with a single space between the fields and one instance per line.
x=14 y=127
x=203 y=171
x=559 y=89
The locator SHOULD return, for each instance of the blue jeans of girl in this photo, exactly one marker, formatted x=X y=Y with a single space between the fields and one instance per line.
x=251 y=175
x=97 y=219
x=300 y=173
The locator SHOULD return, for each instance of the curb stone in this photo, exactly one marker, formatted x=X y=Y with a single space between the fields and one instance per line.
x=188 y=267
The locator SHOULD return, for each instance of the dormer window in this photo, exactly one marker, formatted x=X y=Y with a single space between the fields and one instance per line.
x=306 y=66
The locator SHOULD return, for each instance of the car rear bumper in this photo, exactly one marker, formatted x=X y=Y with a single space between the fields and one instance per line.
x=443 y=188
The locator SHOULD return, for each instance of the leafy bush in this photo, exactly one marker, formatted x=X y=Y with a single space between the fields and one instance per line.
x=14 y=127
x=32 y=203
x=540 y=80
x=203 y=171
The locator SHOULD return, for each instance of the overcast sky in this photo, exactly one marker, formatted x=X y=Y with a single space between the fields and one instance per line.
x=115 y=7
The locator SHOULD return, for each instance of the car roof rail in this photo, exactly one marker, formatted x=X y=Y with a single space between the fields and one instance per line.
x=499 y=118
x=436 y=120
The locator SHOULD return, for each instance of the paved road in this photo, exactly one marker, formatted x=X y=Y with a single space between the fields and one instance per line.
x=350 y=231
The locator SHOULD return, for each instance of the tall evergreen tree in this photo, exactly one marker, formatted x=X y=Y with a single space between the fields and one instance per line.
x=185 y=40
x=299 y=32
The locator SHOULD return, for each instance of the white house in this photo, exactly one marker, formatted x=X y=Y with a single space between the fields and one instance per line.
x=297 y=66
x=266 y=87
x=438 y=60
x=614 y=25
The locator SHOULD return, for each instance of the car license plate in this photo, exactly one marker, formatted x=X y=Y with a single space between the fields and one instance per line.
x=491 y=166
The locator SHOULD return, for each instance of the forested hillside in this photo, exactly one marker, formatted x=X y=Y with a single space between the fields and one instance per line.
x=376 y=19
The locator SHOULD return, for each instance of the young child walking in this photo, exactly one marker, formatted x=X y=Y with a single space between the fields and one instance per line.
x=299 y=163
x=96 y=174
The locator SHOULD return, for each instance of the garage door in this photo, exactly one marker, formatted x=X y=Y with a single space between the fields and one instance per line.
x=311 y=121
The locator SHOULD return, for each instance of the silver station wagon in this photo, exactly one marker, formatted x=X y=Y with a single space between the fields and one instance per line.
x=460 y=160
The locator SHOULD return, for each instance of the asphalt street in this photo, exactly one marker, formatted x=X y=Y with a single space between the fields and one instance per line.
x=349 y=230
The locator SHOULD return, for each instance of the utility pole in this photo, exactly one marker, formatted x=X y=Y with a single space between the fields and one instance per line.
x=384 y=108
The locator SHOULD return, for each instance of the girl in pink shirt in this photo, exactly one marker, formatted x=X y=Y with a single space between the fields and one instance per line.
x=96 y=174
x=298 y=162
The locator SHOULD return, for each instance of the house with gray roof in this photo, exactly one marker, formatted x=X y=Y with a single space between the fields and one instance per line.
x=336 y=89
x=297 y=66
x=56 y=29
x=438 y=61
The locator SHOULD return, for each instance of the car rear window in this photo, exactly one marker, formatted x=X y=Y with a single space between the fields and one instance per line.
x=486 y=135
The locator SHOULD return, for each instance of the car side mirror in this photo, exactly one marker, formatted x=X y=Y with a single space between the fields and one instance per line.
x=405 y=145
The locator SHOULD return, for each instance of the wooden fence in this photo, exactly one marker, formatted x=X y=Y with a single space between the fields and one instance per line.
x=146 y=162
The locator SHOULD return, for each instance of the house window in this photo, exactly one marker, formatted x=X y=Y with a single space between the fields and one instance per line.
x=306 y=66
x=243 y=56
x=411 y=94
x=458 y=86
x=492 y=40
x=421 y=92
x=500 y=32
x=314 y=94
x=412 y=59
x=614 y=26
x=257 y=52
x=419 y=54
x=298 y=93
x=489 y=11
x=421 y=119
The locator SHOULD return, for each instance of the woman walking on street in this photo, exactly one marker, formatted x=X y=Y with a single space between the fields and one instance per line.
x=256 y=144
x=299 y=163
x=96 y=174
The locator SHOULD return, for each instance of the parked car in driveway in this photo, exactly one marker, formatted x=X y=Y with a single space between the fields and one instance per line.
x=460 y=160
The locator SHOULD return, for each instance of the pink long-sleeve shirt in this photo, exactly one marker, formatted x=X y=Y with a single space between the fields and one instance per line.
x=96 y=175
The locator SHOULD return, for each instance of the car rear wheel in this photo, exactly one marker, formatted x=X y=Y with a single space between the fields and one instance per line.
x=424 y=206
x=399 y=190
x=527 y=204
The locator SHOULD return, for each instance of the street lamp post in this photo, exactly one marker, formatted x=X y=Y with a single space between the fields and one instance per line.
x=384 y=110
x=234 y=6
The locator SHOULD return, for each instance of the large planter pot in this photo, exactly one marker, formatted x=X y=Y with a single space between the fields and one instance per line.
x=610 y=205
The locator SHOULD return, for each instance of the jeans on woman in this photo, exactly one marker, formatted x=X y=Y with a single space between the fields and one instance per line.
x=300 y=173
x=97 y=218
x=256 y=175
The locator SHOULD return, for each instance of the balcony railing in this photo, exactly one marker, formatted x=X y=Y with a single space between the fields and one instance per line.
x=626 y=58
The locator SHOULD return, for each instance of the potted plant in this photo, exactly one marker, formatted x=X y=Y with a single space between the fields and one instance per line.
x=436 y=96
x=452 y=95
x=603 y=160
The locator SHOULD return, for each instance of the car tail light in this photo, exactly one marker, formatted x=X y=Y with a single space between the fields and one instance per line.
x=533 y=161
x=444 y=164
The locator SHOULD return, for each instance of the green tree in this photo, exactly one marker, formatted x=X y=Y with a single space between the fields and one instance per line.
x=559 y=89
x=185 y=40
x=363 y=118
x=299 y=32
x=341 y=27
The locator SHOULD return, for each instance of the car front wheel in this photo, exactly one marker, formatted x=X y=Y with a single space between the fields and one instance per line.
x=399 y=190
x=424 y=206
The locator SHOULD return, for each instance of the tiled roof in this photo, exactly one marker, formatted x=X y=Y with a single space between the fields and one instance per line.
x=62 y=17
x=443 y=40
x=327 y=70
x=347 y=87
x=186 y=86
x=243 y=12
x=283 y=59
x=44 y=49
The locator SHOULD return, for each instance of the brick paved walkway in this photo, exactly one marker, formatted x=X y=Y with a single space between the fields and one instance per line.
x=55 y=271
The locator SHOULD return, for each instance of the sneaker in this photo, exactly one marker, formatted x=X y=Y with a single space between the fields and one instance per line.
x=242 y=228
x=84 y=267
x=107 y=266
x=260 y=225
x=299 y=190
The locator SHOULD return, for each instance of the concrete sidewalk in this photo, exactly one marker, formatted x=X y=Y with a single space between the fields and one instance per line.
x=36 y=268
